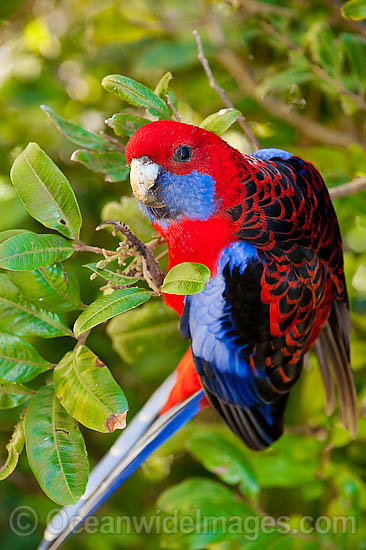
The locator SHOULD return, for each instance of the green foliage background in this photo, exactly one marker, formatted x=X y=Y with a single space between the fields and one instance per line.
x=295 y=70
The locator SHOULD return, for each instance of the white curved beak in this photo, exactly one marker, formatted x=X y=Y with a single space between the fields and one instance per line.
x=143 y=175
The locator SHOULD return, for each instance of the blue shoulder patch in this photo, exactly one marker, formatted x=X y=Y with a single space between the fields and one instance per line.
x=268 y=154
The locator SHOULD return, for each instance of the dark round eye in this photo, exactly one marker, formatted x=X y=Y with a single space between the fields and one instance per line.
x=182 y=153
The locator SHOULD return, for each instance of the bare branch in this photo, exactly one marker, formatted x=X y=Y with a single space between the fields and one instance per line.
x=350 y=188
x=172 y=108
x=162 y=255
x=318 y=431
x=221 y=92
x=238 y=69
x=155 y=242
x=82 y=247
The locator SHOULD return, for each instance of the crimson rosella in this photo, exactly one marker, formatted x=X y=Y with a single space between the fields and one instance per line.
x=265 y=226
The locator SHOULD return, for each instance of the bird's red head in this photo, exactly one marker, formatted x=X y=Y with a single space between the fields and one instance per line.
x=160 y=140
x=180 y=170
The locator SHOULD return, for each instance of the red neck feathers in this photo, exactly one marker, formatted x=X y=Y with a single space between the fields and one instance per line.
x=195 y=241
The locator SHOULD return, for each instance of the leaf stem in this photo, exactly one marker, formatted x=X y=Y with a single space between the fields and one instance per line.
x=172 y=108
x=82 y=338
x=161 y=255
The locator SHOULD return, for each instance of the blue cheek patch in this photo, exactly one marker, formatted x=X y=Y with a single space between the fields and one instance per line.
x=191 y=196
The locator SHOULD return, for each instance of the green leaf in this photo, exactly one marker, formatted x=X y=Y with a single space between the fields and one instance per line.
x=163 y=85
x=19 y=361
x=186 y=278
x=221 y=121
x=145 y=332
x=24 y=318
x=55 y=448
x=224 y=459
x=111 y=26
x=125 y=125
x=14 y=448
x=51 y=286
x=326 y=50
x=354 y=9
x=12 y=211
x=88 y=391
x=45 y=192
x=291 y=462
x=177 y=54
x=284 y=80
x=109 y=306
x=210 y=507
x=12 y=395
x=9 y=8
x=349 y=105
x=76 y=134
x=29 y=251
x=355 y=47
x=136 y=94
x=128 y=211
x=112 y=164
x=351 y=489
x=278 y=540
x=5 y=235
x=112 y=276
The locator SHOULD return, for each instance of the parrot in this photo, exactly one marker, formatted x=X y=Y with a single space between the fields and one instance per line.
x=265 y=227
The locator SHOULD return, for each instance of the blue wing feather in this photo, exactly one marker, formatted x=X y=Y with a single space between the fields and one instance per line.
x=213 y=334
x=222 y=354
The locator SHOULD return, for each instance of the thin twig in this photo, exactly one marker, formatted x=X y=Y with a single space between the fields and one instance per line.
x=317 y=431
x=162 y=255
x=324 y=458
x=350 y=188
x=221 y=92
x=172 y=108
x=82 y=247
x=114 y=141
x=155 y=242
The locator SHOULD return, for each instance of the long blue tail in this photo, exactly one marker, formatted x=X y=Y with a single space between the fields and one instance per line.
x=132 y=448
